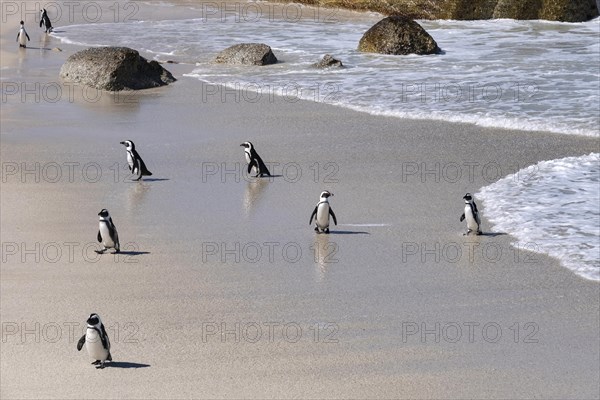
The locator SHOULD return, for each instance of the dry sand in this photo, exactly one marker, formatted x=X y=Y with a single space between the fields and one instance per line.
x=337 y=315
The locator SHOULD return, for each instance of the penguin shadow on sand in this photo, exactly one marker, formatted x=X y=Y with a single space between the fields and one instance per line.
x=152 y=180
x=489 y=234
x=132 y=253
x=125 y=364
x=336 y=232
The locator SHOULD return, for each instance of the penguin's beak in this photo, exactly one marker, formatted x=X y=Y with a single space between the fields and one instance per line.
x=243 y=145
x=123 y=143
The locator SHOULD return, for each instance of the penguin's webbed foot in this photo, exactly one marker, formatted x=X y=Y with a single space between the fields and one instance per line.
x=116 y=252
x=101 y=366
x=326 y=230
x=101 y=251
x=96 y=362
x=479 y=233
x=317 y=229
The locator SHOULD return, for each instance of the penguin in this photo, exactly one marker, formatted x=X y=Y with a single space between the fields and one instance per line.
x=44 y=20
x=107 y=233
x=22 y=35
x=471 y=214
x=254 y=160
x=322 y=211
x=96 y=341
x=136 y=164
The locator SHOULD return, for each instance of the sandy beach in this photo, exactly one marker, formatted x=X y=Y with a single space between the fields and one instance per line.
x=223 y=290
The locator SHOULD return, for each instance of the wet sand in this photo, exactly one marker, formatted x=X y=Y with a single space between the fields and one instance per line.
x=224 y=290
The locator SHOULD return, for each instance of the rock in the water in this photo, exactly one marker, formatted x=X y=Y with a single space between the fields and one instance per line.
x=247 y=54
x=327 y=62
x=113 y=69
x=397 y=35
x=57 y=49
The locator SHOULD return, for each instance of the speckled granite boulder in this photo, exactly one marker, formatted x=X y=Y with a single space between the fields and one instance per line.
x=114 y=69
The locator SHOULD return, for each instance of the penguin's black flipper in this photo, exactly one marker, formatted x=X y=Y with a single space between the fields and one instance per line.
x=251 y=164
x=112 y=230
x=99 y=237
x=462 y=217
x=262 y=168
x=143 y=169
x=314 y=213
x=104 y=339
x=41 y=21
x=80 y=343
x=332 y=215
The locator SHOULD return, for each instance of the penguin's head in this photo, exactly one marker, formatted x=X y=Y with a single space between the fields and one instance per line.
x=22 y=23
x=468 y=198
x=94 y=320
x=326 y=194
x=246 y=145
x=103 y=213
x=129 y=144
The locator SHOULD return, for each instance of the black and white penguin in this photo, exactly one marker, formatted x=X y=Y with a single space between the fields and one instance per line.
x=96 y=341
x=107 y=233
x=322 y=212
x=44 y=20
x=254 y=160
x=136 y=164
x=22 y=36
x=471 y=214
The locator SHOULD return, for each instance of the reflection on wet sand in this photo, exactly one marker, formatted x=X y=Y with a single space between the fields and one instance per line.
x=254 y=191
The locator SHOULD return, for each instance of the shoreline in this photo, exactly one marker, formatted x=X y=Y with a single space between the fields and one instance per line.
x=364 y=289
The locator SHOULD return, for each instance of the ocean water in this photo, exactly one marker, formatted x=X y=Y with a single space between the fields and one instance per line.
x=527 y=75
x=555 y=208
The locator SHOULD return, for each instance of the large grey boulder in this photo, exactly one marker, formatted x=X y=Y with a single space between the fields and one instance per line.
x=247 y=54
x=397 y=35
x=113 y=69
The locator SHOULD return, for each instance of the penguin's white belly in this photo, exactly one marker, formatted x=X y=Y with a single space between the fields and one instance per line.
x=323 y=216
x=22 y=38
x=94 y=347
x=471 y=222
x=247 y=157
x=106 y=239
x=130 y=160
